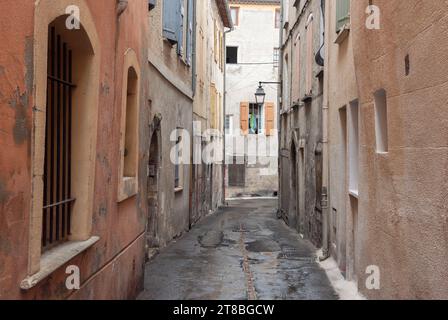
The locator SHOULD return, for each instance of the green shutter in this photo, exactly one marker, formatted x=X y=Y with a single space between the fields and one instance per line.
x=342 y=13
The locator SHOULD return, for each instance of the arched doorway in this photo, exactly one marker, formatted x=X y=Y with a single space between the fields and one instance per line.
x=293 y=211
x=152 y=236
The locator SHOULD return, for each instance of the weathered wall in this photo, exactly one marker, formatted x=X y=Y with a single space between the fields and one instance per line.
x=403 y=223
x=302 y=124
x=205 y=196
x=171 y=95
x=340 y=89
x=256 y=37
x=120 y=226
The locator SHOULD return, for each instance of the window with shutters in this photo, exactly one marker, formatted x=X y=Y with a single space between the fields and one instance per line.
x=342 y=14
x=178 y=26
x=255 y=118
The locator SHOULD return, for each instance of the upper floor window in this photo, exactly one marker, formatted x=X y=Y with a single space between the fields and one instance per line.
x=178 y=26
x=232 y=55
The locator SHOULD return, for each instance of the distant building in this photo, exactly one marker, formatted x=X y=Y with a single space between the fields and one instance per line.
x=252 y=56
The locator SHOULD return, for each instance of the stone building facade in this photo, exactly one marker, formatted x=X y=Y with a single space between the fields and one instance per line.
x=301 y=135
x=252 y=57
x=213 y=22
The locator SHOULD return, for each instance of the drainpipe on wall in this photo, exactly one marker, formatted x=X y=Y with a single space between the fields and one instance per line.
x=193 y=90
x=224 y=166
x=279 y=108
x=325 y=150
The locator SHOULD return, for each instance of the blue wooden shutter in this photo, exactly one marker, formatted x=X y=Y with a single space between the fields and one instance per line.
x=180 y=26
x=170 y=21
x=190 y=26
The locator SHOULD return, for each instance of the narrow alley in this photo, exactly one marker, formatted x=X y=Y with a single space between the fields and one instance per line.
x=223 y=150
x=241 y=252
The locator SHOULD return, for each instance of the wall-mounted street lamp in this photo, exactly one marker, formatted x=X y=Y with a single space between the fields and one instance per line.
x=260 y=94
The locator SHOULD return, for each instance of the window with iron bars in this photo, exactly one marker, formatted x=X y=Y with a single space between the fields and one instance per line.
x=57 y=199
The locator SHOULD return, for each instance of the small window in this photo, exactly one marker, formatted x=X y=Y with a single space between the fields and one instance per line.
x=130 y=149
x=354 y=148
x=235 y=12
x=276 y=56
x=232 y=55
x=278 y=20
x=381 y=130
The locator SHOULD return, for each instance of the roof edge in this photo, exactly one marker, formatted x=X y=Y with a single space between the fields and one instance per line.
x=224 y=12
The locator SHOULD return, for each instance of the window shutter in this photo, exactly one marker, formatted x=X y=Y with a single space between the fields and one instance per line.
x=180 y=27
x=170 y=20
x=269 y=118
x=212 y=107
x=342 y=13
x=190 y=31
x=216 y=41
x=244 y=118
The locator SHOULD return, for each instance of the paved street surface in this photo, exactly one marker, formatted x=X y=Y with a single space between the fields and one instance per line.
x=242 y=252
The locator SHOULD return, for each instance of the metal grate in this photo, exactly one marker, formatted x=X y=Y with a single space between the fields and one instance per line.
x=58 y=202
